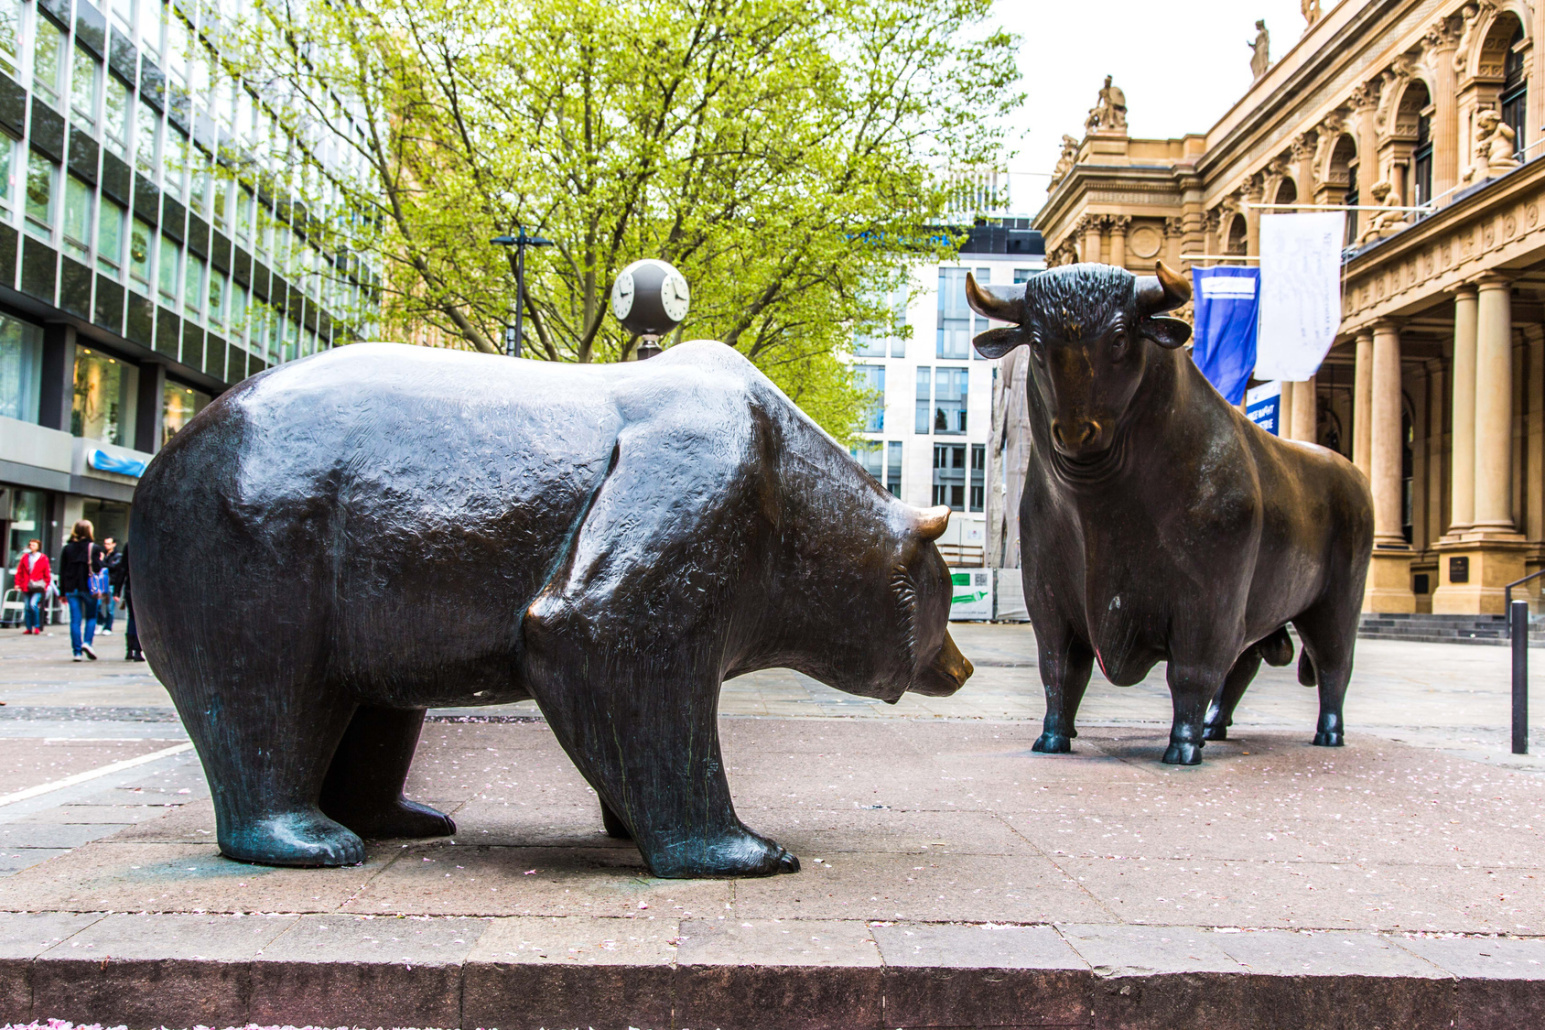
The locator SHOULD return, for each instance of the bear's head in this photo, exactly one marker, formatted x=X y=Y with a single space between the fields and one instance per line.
x=885 y=629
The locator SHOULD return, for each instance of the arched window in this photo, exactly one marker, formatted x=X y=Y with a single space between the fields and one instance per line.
x=1515 y=87
x=1287 y=193
x=1238 y=237
x=1421 y=162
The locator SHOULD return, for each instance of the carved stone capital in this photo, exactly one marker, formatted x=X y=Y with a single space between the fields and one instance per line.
x=1174 y=225
x=1303 y=145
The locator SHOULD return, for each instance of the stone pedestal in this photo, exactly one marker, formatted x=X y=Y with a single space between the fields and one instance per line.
x=1484 y=565
x=1389 y=582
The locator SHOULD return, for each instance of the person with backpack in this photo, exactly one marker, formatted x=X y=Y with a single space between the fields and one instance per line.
x=79 y=565
x=33 y=578
x=112 y=557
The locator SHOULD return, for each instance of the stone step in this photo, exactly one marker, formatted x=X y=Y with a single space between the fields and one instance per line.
x=179 y=970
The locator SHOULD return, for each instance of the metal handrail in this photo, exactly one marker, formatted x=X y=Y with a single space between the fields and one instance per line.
x=1507 y=592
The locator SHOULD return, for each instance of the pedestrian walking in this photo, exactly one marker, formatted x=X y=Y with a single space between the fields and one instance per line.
x=112 y=557
x=79 y=562
x=33 y=578
x=132 y=650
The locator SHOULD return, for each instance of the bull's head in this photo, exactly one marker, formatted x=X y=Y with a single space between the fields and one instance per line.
x=1088 y=328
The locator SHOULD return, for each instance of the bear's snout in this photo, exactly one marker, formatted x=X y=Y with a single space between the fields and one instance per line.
x=946 y=674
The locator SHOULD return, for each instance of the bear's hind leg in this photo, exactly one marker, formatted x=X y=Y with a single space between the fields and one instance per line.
x=1221 y=714
x=363 y=788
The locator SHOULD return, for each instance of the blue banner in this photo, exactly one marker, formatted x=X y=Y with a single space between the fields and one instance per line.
x=1263 y=406
x=1228 y=303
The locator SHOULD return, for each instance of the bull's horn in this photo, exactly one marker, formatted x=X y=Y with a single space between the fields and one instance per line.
x=931 y=522
x=1004 y=303
x=1162 y=291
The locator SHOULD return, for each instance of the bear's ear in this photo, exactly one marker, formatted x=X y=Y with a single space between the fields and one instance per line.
x=1166 y=332
x=930 y=523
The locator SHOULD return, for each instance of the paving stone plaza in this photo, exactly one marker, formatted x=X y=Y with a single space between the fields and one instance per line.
x=949 y=876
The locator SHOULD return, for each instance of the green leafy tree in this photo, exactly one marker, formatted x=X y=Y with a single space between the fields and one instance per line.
x=786 y=155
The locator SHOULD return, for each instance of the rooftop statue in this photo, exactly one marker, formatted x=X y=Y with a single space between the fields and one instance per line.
x=1065 y=160
x=1260 y=50
x=1312 y=12
x=1109 y=114
x=1158 y=523
x=1386 y=222
x=381 y=529
x=1494 y=147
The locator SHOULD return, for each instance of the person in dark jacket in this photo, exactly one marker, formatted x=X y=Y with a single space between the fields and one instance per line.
x=112 y=557
x=132 y=652
x=78 y=562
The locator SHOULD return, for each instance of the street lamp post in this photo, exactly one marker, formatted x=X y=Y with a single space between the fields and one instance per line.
x=512 y=337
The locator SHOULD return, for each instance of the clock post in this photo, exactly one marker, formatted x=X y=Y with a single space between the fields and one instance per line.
x=650 y=298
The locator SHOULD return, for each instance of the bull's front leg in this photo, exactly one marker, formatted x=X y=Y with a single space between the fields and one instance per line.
x=1065 y=663
x=1191 y=688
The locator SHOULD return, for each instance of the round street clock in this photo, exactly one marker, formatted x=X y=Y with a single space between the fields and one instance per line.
x=650 y=298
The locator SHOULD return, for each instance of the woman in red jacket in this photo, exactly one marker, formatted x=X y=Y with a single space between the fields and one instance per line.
x=33 y=577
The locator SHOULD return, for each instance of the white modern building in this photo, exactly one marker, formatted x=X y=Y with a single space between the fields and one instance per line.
x=927 y=440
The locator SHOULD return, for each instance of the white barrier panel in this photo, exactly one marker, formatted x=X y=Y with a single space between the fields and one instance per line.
x=1011 y=597
x=973 y=595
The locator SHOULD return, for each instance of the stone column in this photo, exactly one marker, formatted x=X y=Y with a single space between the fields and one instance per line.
x=1445 y=115
x=1119 y=224
x=1385 y=442
x=1362 y=402
x=1462 y=505
x=1536 y=111
x=1389 y=573
x=1253 y=220
x=1494 y=407
x=1534 y=439
x=1305 y=412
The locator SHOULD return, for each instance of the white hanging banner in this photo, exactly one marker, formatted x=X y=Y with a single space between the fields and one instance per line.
x=1300 y=293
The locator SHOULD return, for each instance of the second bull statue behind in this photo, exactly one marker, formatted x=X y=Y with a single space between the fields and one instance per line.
x=1160 y=524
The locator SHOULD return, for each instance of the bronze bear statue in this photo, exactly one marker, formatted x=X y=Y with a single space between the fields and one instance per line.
x=337 y=544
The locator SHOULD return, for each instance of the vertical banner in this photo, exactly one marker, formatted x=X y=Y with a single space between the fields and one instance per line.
x=1263 y=406
x=1300 y=293
x=1227 y=306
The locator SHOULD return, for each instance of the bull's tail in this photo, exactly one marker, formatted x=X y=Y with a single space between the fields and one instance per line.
x=1306 y=674
x=1277 y=649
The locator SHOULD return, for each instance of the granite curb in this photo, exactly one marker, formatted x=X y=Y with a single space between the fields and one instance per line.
x=183 y=970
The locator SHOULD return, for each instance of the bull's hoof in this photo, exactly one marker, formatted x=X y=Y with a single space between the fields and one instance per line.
x=615 y=827
x=1183 y=754
x=404 y=819
x=1053 y=744
x=742 y=855
x=294 y=839
x=1215 y=731
x=1329 y=738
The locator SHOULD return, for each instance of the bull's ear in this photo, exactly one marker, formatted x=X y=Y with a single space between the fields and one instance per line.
x=1163 y=291
x=1001 y=303
x=1166 y=332
x=995 y=343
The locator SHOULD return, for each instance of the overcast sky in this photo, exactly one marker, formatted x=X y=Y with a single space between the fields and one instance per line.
x=1182 y=64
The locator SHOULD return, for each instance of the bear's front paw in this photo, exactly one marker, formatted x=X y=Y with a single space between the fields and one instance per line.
x=1215 y=731
x=293 y=839
x=1183 y=753
x=744 y=854
x=402 y=819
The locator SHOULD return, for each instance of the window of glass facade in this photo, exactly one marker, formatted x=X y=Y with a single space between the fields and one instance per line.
x=147 y=134
x=84 y=73
x=193 y=283
x=28 y=509
x=139 y=257
x=21 y=369
x=949 y=476
x=40 y=195
x=123 y=13
x=7 y=165
x=77 y=218
x=978 y=476
x=924 y=400
x=217 y=293
x=871 y=379
x=871 y=456
x=178 y=406
x=166 y=269
x=117 y=119
x=893 y=467
x=10 y=36
x=1515 y=88
x=150 y=22
x=954 y=315
x=949 y=407
x=104 y=397
x=110 y=219
x=1421 y=162
x=48 y=59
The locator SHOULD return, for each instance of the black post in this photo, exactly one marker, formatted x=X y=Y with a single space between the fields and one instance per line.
x=1519 y=616
x=520 y=294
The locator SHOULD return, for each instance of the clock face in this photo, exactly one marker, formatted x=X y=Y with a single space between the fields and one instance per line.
x=674 y=296
x=622 y=294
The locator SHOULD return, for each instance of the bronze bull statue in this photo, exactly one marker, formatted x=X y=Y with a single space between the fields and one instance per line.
x=1158 y=523
x=340 y=543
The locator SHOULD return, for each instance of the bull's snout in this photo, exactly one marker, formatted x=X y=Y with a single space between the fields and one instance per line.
x=1074 y=436
x=946 y=674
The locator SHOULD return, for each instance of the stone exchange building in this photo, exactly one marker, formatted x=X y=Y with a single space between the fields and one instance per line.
x=1436 y=384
